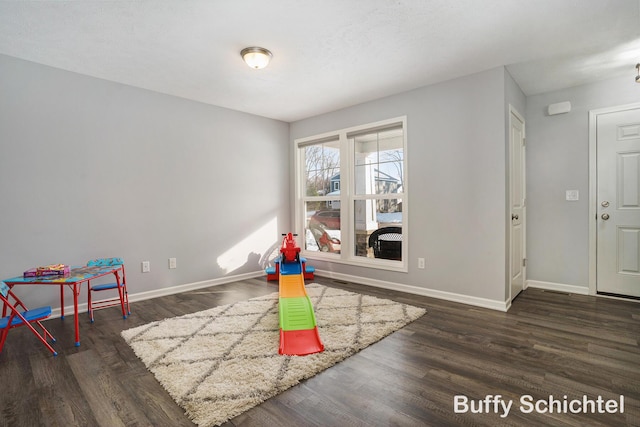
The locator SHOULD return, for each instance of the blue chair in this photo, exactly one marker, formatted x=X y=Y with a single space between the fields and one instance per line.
x=15 y=314
x=119 y=285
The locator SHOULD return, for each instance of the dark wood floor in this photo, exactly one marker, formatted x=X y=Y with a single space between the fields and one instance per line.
x=547 y=344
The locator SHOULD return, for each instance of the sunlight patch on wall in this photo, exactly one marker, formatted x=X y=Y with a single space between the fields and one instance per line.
x=255 y=243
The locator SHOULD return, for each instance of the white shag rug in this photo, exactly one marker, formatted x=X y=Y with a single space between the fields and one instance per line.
x=220 y=362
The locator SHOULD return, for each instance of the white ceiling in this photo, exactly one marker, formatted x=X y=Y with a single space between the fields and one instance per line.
x=328 y=54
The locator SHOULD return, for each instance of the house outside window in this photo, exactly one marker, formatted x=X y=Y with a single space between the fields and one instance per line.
x=352 y=195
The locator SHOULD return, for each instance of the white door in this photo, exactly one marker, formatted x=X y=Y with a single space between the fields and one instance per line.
x=517 y=202
x=618 y=198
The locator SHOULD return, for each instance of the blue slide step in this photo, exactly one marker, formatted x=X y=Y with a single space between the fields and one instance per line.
x=287 y=268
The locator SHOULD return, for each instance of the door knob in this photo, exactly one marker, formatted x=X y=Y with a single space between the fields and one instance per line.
x=514 y=216
x=605 y=204
x=605 y=216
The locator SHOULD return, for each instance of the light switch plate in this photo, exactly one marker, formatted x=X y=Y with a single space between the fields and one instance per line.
x=572 y=195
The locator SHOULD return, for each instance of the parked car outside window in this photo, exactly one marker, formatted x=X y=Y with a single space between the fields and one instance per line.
x=330 y=219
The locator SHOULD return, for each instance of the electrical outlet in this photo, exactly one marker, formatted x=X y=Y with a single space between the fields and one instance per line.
x=146 y=266
x=173 y=263
x=420 y=262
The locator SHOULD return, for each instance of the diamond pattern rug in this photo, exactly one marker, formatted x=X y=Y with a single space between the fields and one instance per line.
x=221 y=362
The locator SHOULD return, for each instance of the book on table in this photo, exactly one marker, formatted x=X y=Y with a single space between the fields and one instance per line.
x=51 y=270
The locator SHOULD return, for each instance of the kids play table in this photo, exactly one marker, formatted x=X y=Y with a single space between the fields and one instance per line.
x=74 y=281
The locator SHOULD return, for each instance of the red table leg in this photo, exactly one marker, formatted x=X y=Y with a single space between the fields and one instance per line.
x=75 y=311
x=62 y=302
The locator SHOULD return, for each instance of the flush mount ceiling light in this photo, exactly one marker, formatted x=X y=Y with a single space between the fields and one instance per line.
x=256 y=57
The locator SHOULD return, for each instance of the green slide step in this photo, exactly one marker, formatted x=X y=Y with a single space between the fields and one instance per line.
x=296 y=314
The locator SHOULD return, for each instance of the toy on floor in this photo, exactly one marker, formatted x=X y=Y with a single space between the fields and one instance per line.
x=298 y=330
x=273 y=273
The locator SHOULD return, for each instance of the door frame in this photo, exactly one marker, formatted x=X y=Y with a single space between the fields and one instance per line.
x=514 y=112
x=593 y=189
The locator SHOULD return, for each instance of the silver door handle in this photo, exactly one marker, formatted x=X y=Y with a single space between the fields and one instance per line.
x=605 y=216
x=605 y=204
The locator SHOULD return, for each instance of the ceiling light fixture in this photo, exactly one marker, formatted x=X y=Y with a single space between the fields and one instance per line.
x=638 y=76
x=256 y=57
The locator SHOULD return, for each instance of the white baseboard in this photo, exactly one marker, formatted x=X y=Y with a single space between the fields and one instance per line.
x=141 y=296
x=558 y=287
x=417 y=290
x=448 y=296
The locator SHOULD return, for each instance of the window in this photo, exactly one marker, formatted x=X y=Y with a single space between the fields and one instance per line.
x=351 y=191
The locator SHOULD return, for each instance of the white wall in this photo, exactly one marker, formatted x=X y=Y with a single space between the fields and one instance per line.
x=558 y=160
x=456 y=161
x=90 y=168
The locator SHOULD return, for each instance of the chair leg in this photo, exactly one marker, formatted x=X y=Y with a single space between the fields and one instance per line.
x=3 y=337
x=121 y=295
x=126 y=299
x=90 y=303
x=45 y=333
x=41 y=338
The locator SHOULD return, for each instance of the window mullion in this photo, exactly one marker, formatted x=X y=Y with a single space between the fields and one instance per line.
x=346 y=213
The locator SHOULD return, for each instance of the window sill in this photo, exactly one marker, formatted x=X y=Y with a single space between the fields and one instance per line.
x=373 y=263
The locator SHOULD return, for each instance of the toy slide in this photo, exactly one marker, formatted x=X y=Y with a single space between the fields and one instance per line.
x=298 y=331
